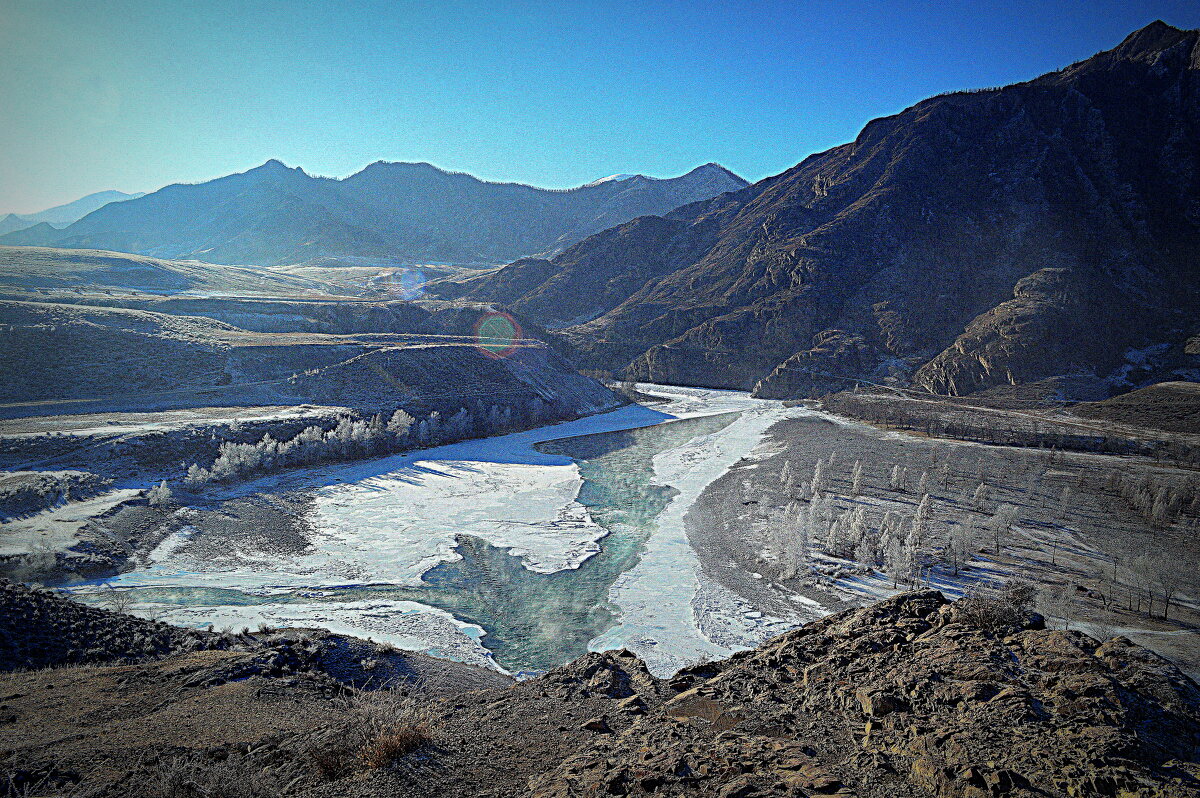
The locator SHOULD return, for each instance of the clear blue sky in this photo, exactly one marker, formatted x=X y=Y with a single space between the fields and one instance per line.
x=135 y=94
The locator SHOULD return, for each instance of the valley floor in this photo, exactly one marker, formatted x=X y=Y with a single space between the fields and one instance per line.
x=661 y=528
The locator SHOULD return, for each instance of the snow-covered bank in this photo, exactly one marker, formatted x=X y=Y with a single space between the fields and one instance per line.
x=404 y=624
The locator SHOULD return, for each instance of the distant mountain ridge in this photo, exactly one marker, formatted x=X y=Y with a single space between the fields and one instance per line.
x=408 y=212
x=64 y=214
x=976 y=239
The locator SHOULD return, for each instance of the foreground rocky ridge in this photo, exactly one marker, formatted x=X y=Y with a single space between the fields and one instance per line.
x=913 y=696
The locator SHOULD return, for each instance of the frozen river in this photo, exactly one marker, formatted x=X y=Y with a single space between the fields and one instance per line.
x=519 y=552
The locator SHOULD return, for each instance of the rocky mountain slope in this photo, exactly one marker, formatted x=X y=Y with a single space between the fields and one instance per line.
x=977 y=238
x=912 y=696
x=407 y=212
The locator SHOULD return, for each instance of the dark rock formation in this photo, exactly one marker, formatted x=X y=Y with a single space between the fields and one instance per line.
x=975 y=239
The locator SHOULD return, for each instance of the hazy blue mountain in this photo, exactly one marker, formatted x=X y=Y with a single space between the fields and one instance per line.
x=411 y=212
x=62 y=215
x=10 y=222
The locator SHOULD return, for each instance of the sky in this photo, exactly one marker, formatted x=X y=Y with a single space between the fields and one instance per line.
x=136 y=94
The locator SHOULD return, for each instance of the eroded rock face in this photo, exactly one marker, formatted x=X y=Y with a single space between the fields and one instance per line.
x=904 y=698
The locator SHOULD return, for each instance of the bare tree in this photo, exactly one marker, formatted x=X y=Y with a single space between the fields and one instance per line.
x=117 y=600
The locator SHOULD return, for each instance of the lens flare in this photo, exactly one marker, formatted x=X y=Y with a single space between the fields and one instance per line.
x=405 y=283
x=496 y=334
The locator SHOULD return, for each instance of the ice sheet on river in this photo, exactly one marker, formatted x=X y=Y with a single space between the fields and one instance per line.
x=388 y=521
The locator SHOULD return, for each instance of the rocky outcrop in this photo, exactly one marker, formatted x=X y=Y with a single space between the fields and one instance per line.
x=909 y=697
x=912 y=696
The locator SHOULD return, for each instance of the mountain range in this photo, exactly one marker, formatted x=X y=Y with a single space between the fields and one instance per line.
x=977 y=239
x=407 y=212
x=61 y=215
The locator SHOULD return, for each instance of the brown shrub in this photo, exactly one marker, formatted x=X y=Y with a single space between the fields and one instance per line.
x=331 y=763
x=387 y=748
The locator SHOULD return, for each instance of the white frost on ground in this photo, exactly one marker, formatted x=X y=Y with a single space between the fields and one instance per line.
x=404 y=624
x=57 y=528
x=662 y=616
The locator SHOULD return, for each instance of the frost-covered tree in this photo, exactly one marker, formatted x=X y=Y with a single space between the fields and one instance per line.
x=856 y=477
x=921 y=518
x=898 y=562
x=196 y=476
x=817 y=484
x=944 y=471
x=793 y=542
x=160 y=495
x=838 y=540
x=785 y=475
x=961 y=543
x=914 y=551
x=896 y=482
x=980 y=499
x=923 y=483
x=820 y=515
x=1000 y=525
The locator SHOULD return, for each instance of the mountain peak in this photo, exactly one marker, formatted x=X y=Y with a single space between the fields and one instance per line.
x=1154 y=38
x=714 y=171
x=275 y=167
x=617 y=178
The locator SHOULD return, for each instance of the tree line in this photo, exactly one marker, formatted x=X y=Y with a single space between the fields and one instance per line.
x=357 y=438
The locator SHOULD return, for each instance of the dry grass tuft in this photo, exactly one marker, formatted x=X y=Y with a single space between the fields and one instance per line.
x=389 y=747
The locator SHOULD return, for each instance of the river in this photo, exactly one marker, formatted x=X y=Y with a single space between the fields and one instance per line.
x=518 y=552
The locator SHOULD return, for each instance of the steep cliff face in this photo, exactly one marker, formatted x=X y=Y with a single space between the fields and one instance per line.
x=911 y=239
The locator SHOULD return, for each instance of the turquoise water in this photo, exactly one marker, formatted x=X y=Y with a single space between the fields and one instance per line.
x=532 y=621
